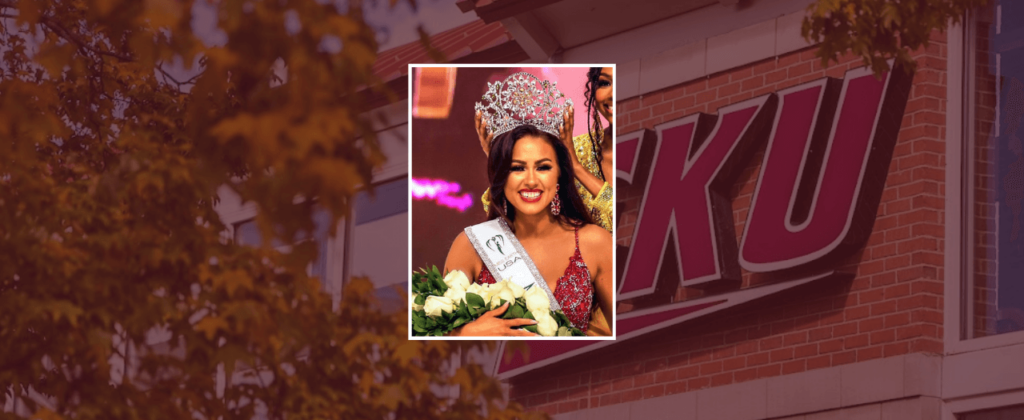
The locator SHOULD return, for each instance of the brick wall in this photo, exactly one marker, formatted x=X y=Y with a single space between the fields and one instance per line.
x=890 y=304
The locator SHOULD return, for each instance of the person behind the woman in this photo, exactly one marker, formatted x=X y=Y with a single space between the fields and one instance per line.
x=592 y=160
x=531 y=182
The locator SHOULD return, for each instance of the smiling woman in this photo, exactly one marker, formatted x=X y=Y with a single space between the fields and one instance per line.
x=531 y=174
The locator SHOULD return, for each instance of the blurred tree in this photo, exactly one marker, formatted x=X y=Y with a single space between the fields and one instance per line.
x=119 y=124
x=879 y=30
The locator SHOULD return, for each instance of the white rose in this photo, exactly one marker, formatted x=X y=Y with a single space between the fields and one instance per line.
x=478 y=290
x=456 y=278
x=435 y=304
x=416 y=307
x=516 y=289
x=490 y=290
x=456 y=294
x=546 y=325
x=502 y=293
x=537 y=301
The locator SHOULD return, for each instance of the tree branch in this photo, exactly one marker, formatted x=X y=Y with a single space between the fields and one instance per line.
x=63 y=32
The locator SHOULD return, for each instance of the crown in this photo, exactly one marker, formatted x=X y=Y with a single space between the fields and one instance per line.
x=522 y=99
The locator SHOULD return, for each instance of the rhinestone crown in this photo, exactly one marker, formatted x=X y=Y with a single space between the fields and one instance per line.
x=523 y=99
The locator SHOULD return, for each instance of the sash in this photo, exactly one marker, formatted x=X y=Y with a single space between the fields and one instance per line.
x=506 y=258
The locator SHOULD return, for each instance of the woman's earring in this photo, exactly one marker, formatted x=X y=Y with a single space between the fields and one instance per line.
x=506 y=207
x=556 y=204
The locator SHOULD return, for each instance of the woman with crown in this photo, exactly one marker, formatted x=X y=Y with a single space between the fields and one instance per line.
x=592 y=158
x=537 y=221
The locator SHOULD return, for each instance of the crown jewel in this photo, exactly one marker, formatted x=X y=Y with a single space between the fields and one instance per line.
x=523 y=99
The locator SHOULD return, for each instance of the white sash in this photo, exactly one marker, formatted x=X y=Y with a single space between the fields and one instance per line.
x=505 y=256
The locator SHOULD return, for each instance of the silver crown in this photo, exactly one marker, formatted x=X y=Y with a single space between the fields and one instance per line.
x=523 y=99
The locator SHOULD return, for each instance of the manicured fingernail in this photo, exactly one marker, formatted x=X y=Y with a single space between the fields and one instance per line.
x=532 y=322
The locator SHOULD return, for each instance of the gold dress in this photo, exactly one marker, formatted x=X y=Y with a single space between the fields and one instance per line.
x=600 y=207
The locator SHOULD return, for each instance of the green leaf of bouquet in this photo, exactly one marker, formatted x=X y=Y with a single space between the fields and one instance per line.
x=561 y=318
x=438 y=285
x=421 y=299
x=435 y=272
x=529 y=315
x=459 y=322
x=508 y=312
x=531 y=328
x=516 y=311
x=474 y=300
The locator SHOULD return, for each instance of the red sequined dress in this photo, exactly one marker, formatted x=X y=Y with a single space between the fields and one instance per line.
x=574 y=290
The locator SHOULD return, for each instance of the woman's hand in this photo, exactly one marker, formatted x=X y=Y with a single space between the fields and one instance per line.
x=483 y=133
x=565 y=134
x=491 y=325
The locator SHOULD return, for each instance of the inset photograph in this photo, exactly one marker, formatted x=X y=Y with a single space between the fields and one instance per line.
x=511 y=217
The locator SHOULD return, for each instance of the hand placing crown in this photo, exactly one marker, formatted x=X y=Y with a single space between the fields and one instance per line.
x=520 y=99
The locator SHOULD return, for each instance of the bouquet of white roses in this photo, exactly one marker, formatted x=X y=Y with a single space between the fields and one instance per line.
x=441 y=304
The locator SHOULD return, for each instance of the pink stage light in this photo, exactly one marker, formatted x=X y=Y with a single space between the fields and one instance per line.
x=441 y=191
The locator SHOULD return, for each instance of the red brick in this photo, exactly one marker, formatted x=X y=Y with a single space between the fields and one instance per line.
x=721 y=379
x=794 y=367
x=752 y=83
x=654 y=391
x=770 y=343
x=873 y=324
x=705 y=97
x=728 y=90
x=787 y=60
x=734 y=363
x=799 y=70
x=688 y=372
x=669 y=94
x=764 y=67
x=662 y=108
x=782 y=354
x=698 y=383
x=710 y=368
x=745 y=375
x=632 y=395
x=843 y=358
x=857 y=312
x=758 y=359
x=795 y=338
x=801 y=352
x=675 y=387
x=740 y=74
x=856 y=341
x=718 y=80
x=819 y=362
x=828 y=346
x=683 y=103
x=775 y=77
x=769 y=371
x=643 y=380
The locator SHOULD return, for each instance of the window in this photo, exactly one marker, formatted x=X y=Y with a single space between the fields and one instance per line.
x=379 y=246
x=248 y=233
x=993 y=261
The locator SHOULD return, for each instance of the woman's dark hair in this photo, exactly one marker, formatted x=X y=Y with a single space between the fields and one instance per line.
x=594 y=127
x=499 y=164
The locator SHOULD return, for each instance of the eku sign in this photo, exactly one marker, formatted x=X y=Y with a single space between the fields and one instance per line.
x=829 y=145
